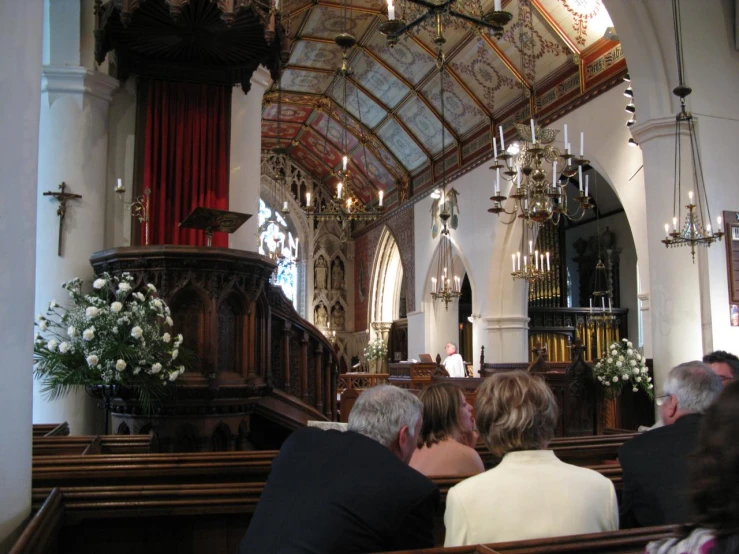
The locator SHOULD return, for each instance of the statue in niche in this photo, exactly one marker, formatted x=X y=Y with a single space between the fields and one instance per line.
x=337 y=317
x=337 y=275
x=321 y=274
x=321 y=317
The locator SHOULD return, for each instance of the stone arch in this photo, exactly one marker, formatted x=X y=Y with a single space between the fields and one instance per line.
x=385 y=282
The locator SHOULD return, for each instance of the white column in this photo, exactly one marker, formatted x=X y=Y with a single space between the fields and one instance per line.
x=246 y=152
x=21 y=25
x=416 y=334
x=74 y=149
x=675 y=284
x=507 y=339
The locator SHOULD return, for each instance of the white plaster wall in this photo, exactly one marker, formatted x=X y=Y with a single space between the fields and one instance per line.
x=21 y=25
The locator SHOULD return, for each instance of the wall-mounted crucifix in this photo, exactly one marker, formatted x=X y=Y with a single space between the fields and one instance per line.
x=62 y=197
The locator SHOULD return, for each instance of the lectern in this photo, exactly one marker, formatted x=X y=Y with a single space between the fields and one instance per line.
x=210 y=220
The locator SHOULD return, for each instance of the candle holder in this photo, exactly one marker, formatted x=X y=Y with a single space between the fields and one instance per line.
x=139 y=207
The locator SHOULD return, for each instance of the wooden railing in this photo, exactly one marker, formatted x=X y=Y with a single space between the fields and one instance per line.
x=360 y=381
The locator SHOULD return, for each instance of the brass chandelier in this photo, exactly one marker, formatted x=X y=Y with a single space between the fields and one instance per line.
x=694 y=230
x=343 y=207
x=535 y=264
x=418 y=12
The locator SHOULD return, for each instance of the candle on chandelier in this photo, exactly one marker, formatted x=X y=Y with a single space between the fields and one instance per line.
x=579 y=175
x=603 y=303
x=565 y=136
x=297 y=241
x=498 y=5
x=502 y=142
x=120 y=185
x=518 y=176
x=390 y=10
x=554 y=173
x=433 y=284
x=348 y=204
x=541 y=262
x=547 y=261
x=536 y=260
x=586 y=184
x=381 y=193
x=582 y=143
x=497 y=182
x=338 y=189
x=513 y=262
x=533 y=132
x=609 y=304
x=307 y=199
x=495 y=148
x=456 y=281
x=518 y=255
x=525 y=262
x=531 y=245
x=344 y=162
x=708 y=228
x=674 y=224
x=667 y=230
x=284 y=206
x=718 y=220
x=690 y=196
x=591 y=305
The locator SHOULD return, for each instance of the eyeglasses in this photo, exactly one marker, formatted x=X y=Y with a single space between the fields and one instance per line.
x=661 y=399
x=725 y=378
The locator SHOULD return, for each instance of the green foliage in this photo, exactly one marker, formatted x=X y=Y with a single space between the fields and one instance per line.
x=112 y=336
x=623 y=365
x=375 y=350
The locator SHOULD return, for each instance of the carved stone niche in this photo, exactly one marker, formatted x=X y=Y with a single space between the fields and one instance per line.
x=219 y=303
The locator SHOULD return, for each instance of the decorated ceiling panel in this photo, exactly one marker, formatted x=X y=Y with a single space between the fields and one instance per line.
x=402 y=145
x=393 y=101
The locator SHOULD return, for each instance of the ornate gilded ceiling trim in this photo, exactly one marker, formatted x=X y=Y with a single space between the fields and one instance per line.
x=556 y=28
x=512 y=68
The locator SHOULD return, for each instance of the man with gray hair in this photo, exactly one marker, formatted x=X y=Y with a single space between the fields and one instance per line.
x=333 y=492
x=453 y=363
x=654 y=464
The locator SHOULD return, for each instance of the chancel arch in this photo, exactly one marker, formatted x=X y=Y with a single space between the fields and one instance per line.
x=386 y=283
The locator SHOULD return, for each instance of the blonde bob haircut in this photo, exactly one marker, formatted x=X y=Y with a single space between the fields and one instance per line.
x=515 y=411
x=441 y=403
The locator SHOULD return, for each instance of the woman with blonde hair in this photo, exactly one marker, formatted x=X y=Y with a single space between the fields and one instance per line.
x=531 y=494
x=447 y=438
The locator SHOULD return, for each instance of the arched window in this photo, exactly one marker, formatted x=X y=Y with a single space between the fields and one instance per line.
x=276 y=241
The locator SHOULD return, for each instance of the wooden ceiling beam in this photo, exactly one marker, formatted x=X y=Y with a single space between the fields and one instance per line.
x=571 y=46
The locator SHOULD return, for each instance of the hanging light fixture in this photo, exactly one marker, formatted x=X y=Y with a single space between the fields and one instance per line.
x=446 y=286
x=418 y=12
x=695 y=230
x=344 y=206
x=601 y=293
x=534 y=265
x=537 y=198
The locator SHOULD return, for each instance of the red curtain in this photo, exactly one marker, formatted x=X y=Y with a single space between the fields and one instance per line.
x=186 y=158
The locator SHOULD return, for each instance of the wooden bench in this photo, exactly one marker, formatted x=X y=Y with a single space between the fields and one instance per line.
x=204 y=518
x=92 y=444
x=50 y=429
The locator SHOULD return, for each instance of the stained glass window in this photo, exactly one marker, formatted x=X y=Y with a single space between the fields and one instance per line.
x=276 y=240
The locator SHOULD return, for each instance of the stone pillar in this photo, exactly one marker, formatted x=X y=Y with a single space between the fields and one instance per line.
x=675 y=283
x=246 y=154
x=21 y=25
x=73 y=148
x=507 y=339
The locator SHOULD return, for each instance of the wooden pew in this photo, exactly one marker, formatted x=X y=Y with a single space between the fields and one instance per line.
x=50 y=429
x=92 y=444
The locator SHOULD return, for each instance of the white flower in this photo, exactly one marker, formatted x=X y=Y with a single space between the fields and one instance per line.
x=71 y=331
x=179 y=340
x=625 y=377
x=52 y=344
x=597 y=366
x=124 y=287
x=98 y=283
x=115 y=330
x=625 y=340
x=136 y=371
x=138 y=296
x=609 y=360
x=116 y=307
x=613 y=353
x=43 y=325
x=120 y=365
x=637 y=379
x=619 y=364
x=151 y=287
x=39 y=317
x=636 y=371
x=615 y=379
x=649 y=379
x=157 y=303
x=607 y=384
x=644 y=369
x=600 y=378
x=175 y=353
x=156 y=368
x=169 y=321
x=91 y=312
x=182 y=369
x=88 y=334
x=650 y=387
x=628 y=343
x=632 y=363
x=174 y=375
x=166 y=337
x=64 y=347
x=53 y=304
x=92 y=360
x=629 y=352
x=635 y=389
x=620 y=358
x=638 y=356
x=137 y=332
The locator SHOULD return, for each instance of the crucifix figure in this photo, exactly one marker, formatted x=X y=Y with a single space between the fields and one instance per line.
x=62 y=197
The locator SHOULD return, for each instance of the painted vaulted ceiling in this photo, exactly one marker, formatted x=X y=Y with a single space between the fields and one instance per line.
x=389 y=117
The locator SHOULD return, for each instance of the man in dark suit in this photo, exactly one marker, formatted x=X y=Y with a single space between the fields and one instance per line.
x=655 y=463
x=333 y=492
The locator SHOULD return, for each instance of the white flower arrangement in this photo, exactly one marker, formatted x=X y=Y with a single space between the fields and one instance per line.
x=623 y=365
x=109 y=337
x=375 y=350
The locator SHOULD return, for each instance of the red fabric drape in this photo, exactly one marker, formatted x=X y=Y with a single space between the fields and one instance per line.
x=186 y=157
